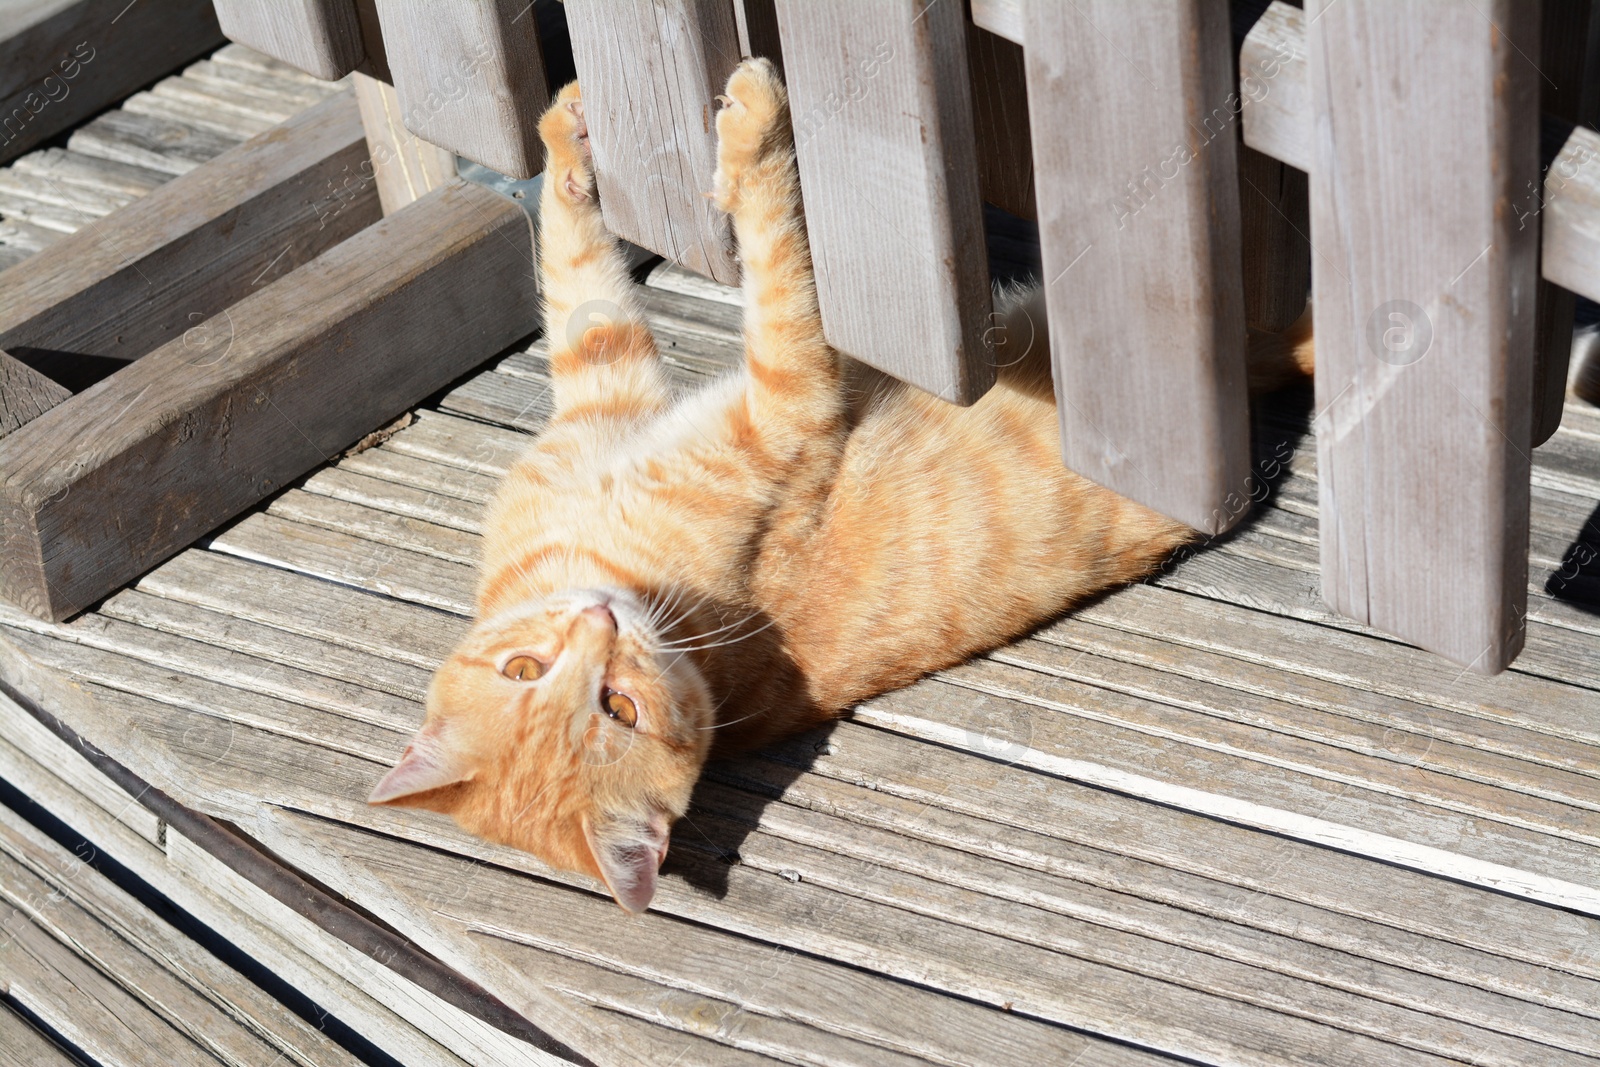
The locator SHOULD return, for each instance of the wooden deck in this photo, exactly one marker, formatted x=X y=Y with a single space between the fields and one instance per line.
x=1200 y=820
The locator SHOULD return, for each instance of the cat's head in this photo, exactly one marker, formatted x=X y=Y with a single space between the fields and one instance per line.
x=563 y=728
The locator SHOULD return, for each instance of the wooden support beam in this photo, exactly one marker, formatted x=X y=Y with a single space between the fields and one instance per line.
x=1000 y=121
x=650 y=73
x=1426 y=130
x=405 y=166
x=1563 y=65
x=169 y=261
x=60 y=62
x=1136 y=175
x=25 y=394
x=470 y=77
x=881 y=104
x=106 y=485
x=1275 y=216
x=321 y=37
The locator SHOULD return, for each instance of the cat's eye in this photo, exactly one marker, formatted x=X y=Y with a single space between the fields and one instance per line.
x=522 y=668
x=619 y=706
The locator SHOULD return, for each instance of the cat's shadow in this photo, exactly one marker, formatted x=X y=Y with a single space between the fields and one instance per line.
x=728 y=806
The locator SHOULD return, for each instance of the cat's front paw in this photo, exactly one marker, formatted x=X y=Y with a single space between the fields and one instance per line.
x=752 y=125
x=566 y=144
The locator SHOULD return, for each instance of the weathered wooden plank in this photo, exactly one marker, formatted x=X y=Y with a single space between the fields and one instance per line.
x=87 y=1008
x=70 y=772
x=1137 y=183
x=949 y=885
x=111 y=179
x=882 y=107
x=650 y=73
x=1000 y=121
x=1406 y=729
x=1027 y=978
x=323 y=967
x=1414 y=242
x=371 y=509
x=23 y=1044
x=320 y=37
x=348 y=618
x=470 y=77
x=295 y=93
x=148 y=141
x=337 y=556
x=198 y=114
x=404 y=166
x=182 y=254
x=224 y=102
x=193 y=993
x=270 y=643
x=717 y=965
x=60 y=62
x=1341 y=811
x=1110 y=888
x=22 y=235
x=210 y=429
x=1110 y=821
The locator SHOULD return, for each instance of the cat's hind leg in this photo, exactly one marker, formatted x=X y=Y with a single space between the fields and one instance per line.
x=794 y=392
x=603 y=360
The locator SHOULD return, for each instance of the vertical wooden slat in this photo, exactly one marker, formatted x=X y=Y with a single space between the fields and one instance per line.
x=405 y=166
x=882 y=111
x=1136 y=175
x=470 y=77
x=1000 y=120
x=650 y=73
x=1425 y=132
x=321 y=37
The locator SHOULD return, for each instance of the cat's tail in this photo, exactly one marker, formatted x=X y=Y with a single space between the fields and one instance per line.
x=1274 y=360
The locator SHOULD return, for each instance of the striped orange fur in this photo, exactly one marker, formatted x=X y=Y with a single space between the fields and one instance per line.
x=662 y=582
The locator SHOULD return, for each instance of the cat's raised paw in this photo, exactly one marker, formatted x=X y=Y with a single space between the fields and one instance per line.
x=566 y=141
x=752 y=125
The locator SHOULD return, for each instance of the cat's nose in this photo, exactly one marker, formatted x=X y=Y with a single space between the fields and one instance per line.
x=602 y=614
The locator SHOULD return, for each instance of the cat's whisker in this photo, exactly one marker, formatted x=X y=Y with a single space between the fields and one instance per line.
x=670 y=646
x=730 y=641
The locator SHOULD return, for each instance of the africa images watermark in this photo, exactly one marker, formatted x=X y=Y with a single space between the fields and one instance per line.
x=54 y=88
x=1254 y=85
x=855 y=88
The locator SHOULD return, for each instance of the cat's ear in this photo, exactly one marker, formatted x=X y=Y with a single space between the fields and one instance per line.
x=629 y=851
x=429 y=762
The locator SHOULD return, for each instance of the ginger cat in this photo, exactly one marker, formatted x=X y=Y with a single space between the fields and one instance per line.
x=666 y=582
